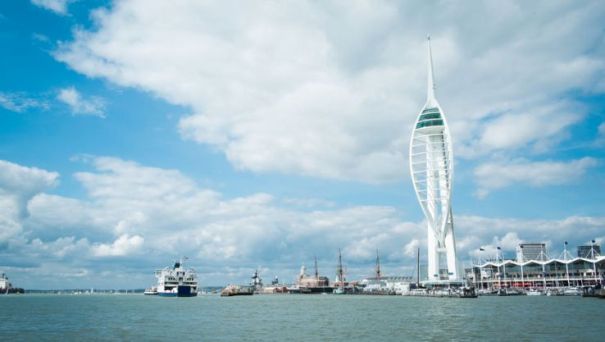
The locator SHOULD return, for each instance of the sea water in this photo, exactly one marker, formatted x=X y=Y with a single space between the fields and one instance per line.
x=299 y=318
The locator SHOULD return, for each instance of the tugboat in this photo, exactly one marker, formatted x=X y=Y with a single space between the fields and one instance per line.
x=175 y=281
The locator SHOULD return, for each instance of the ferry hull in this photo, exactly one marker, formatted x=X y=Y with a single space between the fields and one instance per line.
x=182 y=291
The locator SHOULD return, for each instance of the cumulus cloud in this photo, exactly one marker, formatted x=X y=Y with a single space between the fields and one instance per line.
x=497 y=175
x=538 y=126
x=79 y=105
x=123 y=245
x=297 y=89
x=18 y=184
x=57 y=6
x=19 y=102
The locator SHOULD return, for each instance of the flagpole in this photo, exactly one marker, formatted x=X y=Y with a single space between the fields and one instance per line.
x=522 y=261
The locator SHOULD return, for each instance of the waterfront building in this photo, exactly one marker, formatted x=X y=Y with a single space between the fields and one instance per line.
x=531 y=251
x=431 y=167
x=539 y=272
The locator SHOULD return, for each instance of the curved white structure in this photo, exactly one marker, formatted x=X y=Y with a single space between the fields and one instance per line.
x=431 y=168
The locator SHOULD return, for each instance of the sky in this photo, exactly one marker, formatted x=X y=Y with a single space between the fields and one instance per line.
x=260 y=134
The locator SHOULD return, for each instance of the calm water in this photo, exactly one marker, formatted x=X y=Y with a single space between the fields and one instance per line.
x=300 y=318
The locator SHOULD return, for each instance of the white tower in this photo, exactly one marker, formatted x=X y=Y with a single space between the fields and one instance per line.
x=431 y=168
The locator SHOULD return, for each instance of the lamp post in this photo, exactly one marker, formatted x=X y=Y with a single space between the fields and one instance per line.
x=481 y=250
x=594 y=261
x=503 y=266
x=522 y=260
x=499 y=274
x=566 y=263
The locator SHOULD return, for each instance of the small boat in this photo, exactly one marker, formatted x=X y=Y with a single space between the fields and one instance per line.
x=554 y=292
x=339 y=290
x=468 y=292
x=509 y=292
x=572 y=291
x=152 y=291
x=533 y=292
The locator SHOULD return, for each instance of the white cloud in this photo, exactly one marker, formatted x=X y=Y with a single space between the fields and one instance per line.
x=122 y=246
x=147 y=216
x=299 y=89
x=18 y=102
x=57 y=6
x=411 y=248
x=79 y=105
x=496 y=175
x=18 y=184
x=537 y=125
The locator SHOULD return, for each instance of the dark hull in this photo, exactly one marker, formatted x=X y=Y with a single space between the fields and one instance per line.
x=12 y=290
x=231 y=294
x=316 y=290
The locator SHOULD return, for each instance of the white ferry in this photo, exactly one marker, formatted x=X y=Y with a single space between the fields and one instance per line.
x=176 y=281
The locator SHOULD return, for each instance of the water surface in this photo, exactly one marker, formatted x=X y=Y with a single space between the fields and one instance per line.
x=299 y=318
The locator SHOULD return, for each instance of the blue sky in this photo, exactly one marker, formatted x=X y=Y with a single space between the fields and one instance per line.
x=262 y=134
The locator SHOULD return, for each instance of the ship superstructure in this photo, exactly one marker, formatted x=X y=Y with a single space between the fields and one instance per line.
x=6 y=287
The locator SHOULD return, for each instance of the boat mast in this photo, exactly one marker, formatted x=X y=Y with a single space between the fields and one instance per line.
x=340 y=270
x=418 y=267
x=316 y=270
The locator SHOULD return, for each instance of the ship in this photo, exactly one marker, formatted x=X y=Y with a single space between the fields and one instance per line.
x=176 y=281
x=306 y=284
x=256 y=286
x=6 y=287
x=237 y=290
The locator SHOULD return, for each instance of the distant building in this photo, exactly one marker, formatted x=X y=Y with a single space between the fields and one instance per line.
x=586 y=251
x=531 y=251
x=534 y=268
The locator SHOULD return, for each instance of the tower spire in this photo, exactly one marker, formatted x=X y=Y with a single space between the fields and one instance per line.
x=430 y=96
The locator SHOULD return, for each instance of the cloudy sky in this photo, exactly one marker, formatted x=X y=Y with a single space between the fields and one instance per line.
x=261 y=133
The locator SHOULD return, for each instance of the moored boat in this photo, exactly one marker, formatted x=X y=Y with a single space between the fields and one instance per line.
x=572 y=291
x=533 y=292
x=237 y=290
x=152 y=291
